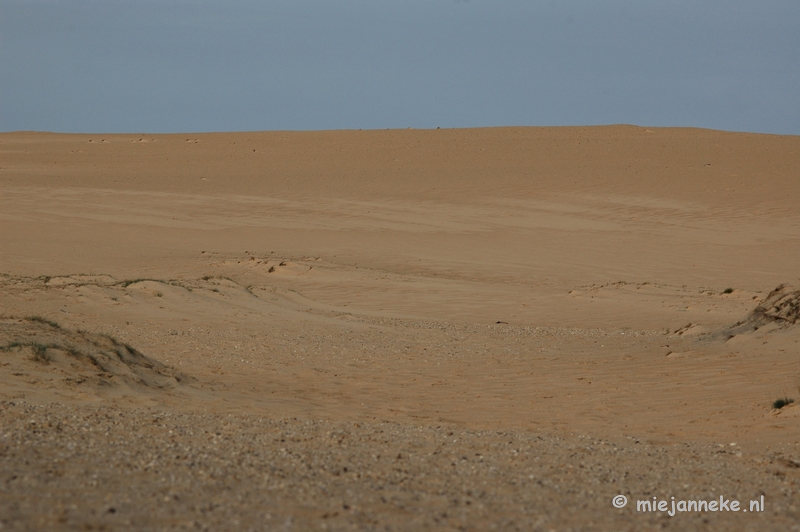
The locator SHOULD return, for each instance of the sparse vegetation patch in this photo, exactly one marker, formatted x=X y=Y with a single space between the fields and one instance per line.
x=127 y=283
x=780 y=403
x=40 y=319
x=99 y=359
x=39 y=349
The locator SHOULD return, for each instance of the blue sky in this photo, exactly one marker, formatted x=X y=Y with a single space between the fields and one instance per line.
x=175 y=66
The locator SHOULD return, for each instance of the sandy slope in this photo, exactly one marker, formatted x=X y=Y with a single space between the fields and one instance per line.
x=546 y=281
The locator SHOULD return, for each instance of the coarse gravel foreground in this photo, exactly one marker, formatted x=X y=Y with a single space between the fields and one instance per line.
x=114 y=468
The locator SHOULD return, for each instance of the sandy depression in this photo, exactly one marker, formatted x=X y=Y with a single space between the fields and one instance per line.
x=465 y=329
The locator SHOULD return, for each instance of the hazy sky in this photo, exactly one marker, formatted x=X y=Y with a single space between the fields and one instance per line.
x=174 y=66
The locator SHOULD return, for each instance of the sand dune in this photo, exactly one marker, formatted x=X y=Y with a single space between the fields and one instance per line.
x=613 y=284
x=44 y=361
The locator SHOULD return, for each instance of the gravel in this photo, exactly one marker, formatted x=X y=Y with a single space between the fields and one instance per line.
x=106 y=467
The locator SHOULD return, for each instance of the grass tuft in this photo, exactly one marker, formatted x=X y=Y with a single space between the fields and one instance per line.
x=728 y=291
x=171 y=282
x=40 y=319
x=40 y=353
x=39 y=350
x=780 y=403
x=127 y=283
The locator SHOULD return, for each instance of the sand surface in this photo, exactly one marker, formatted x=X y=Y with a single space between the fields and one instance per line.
x=404 y=329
